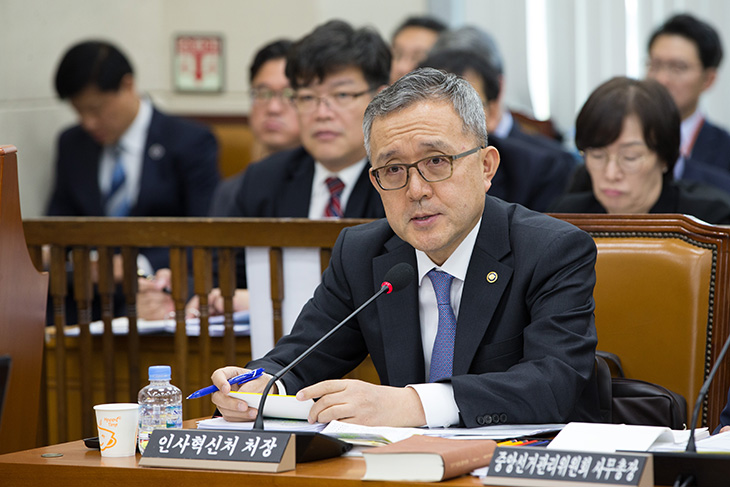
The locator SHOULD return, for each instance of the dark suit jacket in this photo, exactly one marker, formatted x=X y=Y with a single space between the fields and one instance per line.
x=179 y=171
x=281 y=186
x=179 y=174
x=525 y=345
x=528 y=174
x=712 y=146
x=686 y=197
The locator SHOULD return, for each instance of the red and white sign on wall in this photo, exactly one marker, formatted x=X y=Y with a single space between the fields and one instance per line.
x=198 y=63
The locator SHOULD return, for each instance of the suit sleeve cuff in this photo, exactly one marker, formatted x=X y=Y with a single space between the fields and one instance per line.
x=438 y=403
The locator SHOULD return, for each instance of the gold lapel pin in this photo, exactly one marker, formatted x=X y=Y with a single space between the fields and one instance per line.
x=492 y=277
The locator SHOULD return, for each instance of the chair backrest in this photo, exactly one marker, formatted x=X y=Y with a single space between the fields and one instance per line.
x=22 y=316
x=662 y=299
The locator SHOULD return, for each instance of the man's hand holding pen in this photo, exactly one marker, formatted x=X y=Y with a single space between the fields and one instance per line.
x=231 y=408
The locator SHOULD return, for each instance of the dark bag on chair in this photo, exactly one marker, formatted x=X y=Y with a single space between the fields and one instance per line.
x=633 y=401
x=639 y=402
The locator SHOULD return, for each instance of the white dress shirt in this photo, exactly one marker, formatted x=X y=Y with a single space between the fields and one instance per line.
x=437 y=399
x=688 y=131
x=321 y=193
x=132 y=144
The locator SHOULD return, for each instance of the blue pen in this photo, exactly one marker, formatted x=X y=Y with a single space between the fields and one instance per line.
x=239 y=379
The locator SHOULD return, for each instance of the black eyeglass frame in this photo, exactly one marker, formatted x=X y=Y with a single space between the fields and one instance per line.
x=375 y=170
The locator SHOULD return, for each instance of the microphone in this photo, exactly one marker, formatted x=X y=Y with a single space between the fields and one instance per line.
x=691 y=447
x=398 y=277
x=688 y=467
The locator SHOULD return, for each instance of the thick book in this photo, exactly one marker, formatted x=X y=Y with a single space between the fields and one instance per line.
x=426 y=459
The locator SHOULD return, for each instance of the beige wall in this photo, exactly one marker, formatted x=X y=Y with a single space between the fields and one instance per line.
x=36 y=33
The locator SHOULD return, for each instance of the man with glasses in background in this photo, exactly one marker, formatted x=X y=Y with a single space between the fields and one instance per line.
x=684 y=56
x=335 y=72
x=497 y=328
x=273 y=118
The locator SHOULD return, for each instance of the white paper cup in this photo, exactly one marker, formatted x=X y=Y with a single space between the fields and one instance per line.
x=117 y=425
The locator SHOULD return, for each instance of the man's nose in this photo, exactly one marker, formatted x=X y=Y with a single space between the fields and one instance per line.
x=417 y=187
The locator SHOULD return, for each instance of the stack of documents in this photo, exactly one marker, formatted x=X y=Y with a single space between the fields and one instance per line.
x=120 y=326
x=609 y=438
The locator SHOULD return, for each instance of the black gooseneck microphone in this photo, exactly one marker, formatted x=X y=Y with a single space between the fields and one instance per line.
x=691 y=447
x=398 y=277
x=689 y=468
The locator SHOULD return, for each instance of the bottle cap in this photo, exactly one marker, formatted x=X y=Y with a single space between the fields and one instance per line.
x=160 y=372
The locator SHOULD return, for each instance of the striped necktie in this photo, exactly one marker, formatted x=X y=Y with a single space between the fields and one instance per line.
x=442 y=357
x=334 y=207
x=115 y=201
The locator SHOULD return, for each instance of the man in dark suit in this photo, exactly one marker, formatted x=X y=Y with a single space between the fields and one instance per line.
x=498 y=327
x=684 y=56
x=126 y=158
x=530 y=174
x=335 y=71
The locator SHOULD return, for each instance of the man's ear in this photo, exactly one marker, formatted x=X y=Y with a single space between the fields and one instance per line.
x=490 y=164
x=127 y=83
x=710 y=75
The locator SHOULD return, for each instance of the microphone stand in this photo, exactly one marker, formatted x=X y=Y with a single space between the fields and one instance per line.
x=689 y=467
x=259 y=422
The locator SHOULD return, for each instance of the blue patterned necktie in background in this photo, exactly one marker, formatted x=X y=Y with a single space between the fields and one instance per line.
x=442 y=358
x=115 y=201
x=334 y=207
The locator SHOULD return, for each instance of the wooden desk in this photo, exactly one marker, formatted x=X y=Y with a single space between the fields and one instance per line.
x=81 y=467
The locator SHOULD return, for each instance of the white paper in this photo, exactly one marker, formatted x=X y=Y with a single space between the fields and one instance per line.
x=269 y=424
x=608 y=438
x=392 y=434
x=120 y=326
x=277 y=406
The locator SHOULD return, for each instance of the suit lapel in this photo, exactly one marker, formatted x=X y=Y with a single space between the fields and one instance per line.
x=399 y=319
x=296 y=191
x=486 y=281
x=150 y=177
x=361 y=195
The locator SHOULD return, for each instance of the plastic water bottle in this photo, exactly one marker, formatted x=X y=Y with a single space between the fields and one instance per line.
x=160 y=404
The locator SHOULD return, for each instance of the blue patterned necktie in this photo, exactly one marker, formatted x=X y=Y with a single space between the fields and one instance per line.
x=115 y=201
x=442 y=357
x=334 y=207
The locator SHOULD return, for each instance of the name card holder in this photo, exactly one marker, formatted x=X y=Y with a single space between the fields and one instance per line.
x=539 y=467
x=248 y=451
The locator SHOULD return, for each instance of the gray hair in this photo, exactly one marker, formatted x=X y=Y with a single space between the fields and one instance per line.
x=428 y=84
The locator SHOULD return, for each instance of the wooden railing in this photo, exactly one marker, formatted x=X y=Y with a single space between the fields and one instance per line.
x=69 y=243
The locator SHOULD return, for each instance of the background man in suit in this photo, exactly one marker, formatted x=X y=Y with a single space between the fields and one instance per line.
x=126 y=158
x=273 y=117
x=684 y=55
x=411 y=42
x=529 y=174
x=498 y=329
x=335 y=70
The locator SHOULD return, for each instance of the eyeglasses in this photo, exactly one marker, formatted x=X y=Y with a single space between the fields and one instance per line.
x=629 y=162
x=674 y=68
x=432 y=169
x=307 y=102
x=265 y=95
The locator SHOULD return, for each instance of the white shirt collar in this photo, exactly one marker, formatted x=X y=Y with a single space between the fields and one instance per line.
x=135 y=137
x=687 y=130
x=320 y=195
x=457 y=263
x=504 y=127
